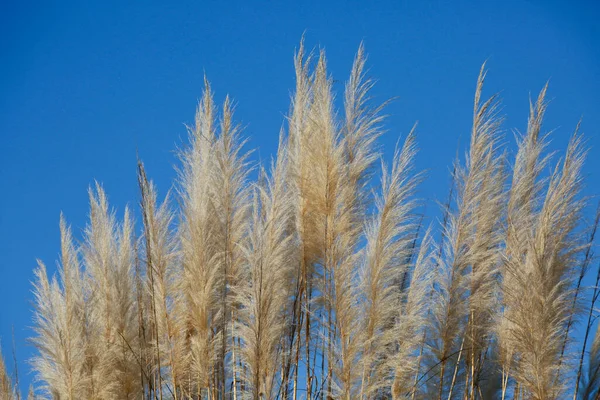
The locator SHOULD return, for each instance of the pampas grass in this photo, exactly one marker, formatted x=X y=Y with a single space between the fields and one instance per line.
x=466 y=291
x=269 y=255
x=389 y=235
x=61 y=326
x=313 y=281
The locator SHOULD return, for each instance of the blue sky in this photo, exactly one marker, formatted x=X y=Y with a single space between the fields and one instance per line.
x=82 y=86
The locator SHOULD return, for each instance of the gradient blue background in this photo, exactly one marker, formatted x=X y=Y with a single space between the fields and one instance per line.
x=82 y=86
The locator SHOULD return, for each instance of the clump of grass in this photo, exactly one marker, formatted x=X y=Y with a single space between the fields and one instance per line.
x=312 y=282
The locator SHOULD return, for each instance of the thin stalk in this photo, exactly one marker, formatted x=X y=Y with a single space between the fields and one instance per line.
x=414 y=389
x=307 y=344
x=142 y=180
x=321 y=388
x=587 y=332
x=141 y=334
x=584 y=267
x=472 y=362
x=505 y=376
x=436 y=365
x=233 y=362
x=462 y=344
x=16 y=365
x=444 y=226
x=586 y=262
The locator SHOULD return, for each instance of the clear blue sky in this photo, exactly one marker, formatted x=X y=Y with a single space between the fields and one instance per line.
x=81 y=87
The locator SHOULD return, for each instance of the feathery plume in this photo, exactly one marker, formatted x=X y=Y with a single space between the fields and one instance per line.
x=269 y=256
x=389 y=235
x=466 y=268
x=540 y=297
x=161 y=266
x=201 y=278
x=60 y=326
x=524 y=199
x=230 y=202
x=299 y=168
x=411 y=322
x=112 y=341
